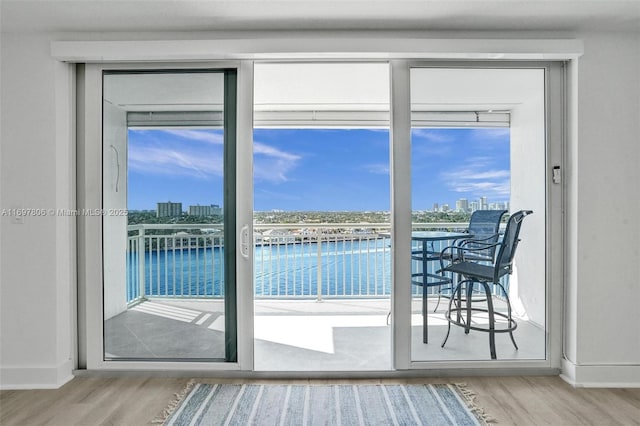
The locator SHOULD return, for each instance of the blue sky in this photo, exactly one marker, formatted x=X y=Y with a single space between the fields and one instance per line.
x=449 y=164
x=319 y=169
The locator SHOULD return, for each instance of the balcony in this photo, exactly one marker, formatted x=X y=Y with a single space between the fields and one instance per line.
x=175 y=288
x=290 y=261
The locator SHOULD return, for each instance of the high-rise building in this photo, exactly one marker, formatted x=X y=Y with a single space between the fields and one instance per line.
x=169 y=209
x=212 y=210
x=473 y=206
x=436 y=207
x=462 y=205
x=483 y=203
x=445 y=207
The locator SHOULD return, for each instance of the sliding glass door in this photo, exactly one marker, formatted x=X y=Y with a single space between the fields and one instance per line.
x=168 y=215
x=482 y=139
x=167 y=239
x=321 y=219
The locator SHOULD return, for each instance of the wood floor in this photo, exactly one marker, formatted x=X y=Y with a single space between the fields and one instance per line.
x=137 y=401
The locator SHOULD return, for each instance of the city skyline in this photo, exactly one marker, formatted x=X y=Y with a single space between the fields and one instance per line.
x=319 y=169
x=469 y=207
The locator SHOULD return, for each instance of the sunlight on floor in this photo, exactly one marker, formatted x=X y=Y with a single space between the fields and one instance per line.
x=310 y=332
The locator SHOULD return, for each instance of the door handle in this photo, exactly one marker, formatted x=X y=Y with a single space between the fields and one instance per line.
x=244 y=241
x=117 y=166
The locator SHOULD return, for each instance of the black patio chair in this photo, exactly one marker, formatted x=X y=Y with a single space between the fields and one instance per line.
x=478 y=272
x=484 y=231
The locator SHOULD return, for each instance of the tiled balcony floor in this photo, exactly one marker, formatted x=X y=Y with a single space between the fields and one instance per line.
x=303 y=335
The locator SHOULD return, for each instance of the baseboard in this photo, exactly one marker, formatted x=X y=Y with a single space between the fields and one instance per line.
x=19 y=377
x=601 y=376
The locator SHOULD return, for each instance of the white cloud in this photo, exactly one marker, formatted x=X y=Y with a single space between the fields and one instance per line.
x=164 y=161
x=500 y=134
x=476 y=174
x=161 y=157
x=429 y=143
x=271 y=164
x=495 y=189
x=477 y=179
x=378 y=169
x=436 y=136
x=216 y=138
x=262 y=149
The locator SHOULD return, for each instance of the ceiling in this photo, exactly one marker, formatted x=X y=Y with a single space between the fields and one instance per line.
x=334 y=15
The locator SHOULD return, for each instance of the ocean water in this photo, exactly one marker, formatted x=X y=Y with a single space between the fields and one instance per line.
x=347 y=268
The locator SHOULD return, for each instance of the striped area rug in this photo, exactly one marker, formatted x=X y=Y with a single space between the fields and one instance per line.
x=229 y=404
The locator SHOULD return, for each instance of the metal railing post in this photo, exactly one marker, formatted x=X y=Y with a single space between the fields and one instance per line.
x=319 y=268
x=141 y=262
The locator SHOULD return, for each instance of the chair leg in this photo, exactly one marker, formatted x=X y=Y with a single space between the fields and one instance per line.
x=451 y=301
x=438 y=303
x=469 y=289
x=506 y=295
x=459 y=301
x=425 y=330
x=492 y=321
x=460 y=281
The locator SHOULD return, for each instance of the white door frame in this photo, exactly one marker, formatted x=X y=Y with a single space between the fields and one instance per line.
x=89 y=181
x=89 y=156
x=401 y=217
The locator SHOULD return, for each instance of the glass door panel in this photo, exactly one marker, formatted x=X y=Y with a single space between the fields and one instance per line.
x=167 y=143
x=478 y=143
x=321 y=220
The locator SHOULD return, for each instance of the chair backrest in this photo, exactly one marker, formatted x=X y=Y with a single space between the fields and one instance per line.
x=485 y=225
x=510 y=240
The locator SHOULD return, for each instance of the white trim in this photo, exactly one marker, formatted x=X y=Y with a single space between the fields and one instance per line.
x=568 y=372
x=41 y=377
x=293 y=46
x=400 y=134
x=90 y=228
x=601 y=376
x=147 y=365
x=554 y=248
x=482 y=365
x=244 y=213
x=90 y=259
x=555 y=116
x=66 y=250
x=400 y=147
x=571 y=207
x=452 y=371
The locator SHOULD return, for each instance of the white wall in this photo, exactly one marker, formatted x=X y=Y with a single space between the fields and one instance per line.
x=603 y=336
x=528 y=192
x=36 y=279
x=37 y=276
